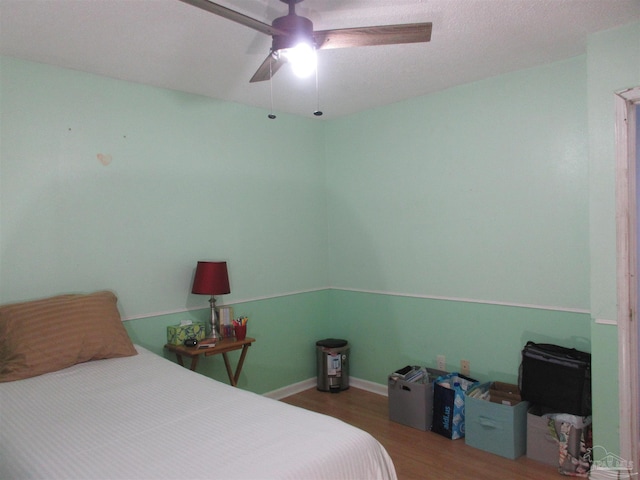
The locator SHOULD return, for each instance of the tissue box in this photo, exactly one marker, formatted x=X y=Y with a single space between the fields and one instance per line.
x=177 y=334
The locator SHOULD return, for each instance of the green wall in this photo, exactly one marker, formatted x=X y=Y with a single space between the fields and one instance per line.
x=462 y=223
x=478 y=192
x=390 y=331
x=191 y=179
x=613 y=65
x=458 y=224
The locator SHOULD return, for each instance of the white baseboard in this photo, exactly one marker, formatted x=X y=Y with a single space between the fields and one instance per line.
x=369 y=386
x=292 y=389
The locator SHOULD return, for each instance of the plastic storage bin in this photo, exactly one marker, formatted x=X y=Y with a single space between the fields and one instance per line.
x=332 y=362
x=496 y=427
x=411 y=403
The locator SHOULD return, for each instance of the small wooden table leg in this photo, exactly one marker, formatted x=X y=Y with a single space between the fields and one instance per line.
x=179 y=357
x=240 y=363
x=194 y=363
x=232 y=378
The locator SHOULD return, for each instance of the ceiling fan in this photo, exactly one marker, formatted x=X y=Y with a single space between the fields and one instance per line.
x=291 y=30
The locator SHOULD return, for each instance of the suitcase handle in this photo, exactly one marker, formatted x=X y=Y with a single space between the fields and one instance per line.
x=556 y=350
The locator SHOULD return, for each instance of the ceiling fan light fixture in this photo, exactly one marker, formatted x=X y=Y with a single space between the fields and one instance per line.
x=302 y=57
x=290 y=30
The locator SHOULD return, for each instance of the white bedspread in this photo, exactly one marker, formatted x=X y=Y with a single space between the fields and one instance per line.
x=144 y=417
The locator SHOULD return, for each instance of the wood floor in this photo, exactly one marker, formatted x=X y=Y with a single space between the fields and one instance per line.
x=416 y=454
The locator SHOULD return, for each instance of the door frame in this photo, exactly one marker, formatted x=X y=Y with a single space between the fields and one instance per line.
x=627 y=271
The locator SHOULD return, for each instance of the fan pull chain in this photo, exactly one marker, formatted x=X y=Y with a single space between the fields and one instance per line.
x=318 y=112
x=271 y=114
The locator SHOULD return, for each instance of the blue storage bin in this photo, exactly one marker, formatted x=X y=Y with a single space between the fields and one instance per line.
x=495 y=427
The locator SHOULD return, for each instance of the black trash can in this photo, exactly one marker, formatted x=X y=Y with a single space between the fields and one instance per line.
x=332 y=361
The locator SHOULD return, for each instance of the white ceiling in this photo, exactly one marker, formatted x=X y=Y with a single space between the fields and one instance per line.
x=167 y=43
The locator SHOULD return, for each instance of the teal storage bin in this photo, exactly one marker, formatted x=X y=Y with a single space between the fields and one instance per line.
x=495 y=427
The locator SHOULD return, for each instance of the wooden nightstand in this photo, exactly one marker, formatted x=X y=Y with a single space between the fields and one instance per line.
x=222 y=347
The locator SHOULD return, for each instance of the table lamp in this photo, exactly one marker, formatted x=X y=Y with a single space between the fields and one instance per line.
x=212 y=279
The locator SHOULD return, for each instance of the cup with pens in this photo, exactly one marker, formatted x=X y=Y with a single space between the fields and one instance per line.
x=240 y=327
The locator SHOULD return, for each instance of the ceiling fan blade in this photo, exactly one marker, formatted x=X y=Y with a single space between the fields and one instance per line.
x=380 y=35
x=268 y=68
x=234 y=16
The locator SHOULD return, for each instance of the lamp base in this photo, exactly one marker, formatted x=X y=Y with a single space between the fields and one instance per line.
x=214 y=323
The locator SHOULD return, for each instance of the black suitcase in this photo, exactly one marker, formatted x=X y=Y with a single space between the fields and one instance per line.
x=556 y=377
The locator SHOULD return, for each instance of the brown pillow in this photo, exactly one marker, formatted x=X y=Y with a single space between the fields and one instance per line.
x=50 y=334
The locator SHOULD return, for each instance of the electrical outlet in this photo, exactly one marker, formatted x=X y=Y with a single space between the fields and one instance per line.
x=442 y=364
x=465 y=367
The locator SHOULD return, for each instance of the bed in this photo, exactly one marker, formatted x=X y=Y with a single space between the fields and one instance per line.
x=140 y=416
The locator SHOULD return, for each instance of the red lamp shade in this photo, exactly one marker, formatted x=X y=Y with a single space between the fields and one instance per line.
x=211 y=278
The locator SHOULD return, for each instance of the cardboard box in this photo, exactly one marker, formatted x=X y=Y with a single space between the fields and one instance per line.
x=411 y=403
x=504 y=393
x=495 y=427
x=177 y=334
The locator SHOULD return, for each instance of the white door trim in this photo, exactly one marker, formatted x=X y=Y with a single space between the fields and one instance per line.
x=627 y=255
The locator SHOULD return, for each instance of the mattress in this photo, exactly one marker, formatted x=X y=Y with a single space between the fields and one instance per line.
x=144 y=417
